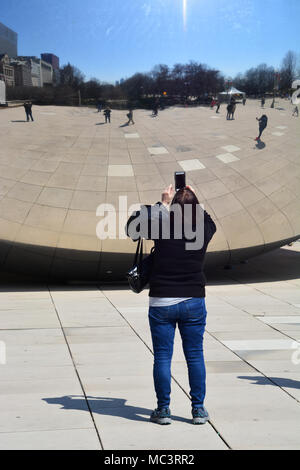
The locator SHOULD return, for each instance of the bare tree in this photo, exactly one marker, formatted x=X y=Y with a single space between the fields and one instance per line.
x=71 y=76
x=288 y=70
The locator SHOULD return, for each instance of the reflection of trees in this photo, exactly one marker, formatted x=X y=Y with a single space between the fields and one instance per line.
x=257 y=80
x=288 y=70
x=193 y=79
x=261 y=79
x=71 y=76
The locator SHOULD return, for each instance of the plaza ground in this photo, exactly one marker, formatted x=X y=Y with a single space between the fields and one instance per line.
x=78 y=372
x=79 y=365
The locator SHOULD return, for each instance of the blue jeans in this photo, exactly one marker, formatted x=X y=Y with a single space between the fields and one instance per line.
x=190 y=316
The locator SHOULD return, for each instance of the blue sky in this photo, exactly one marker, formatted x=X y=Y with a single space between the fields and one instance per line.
x=112 y=39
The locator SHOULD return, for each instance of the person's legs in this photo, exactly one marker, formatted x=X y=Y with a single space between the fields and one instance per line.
x=192 y=326
x=163 y=331
x=30 y=114
x=27 y=116
x=261 y=129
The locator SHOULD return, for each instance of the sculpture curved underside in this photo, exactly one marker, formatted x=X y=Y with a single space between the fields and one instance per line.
x=56 y=171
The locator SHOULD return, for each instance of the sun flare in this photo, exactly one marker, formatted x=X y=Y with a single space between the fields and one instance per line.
x=184 y=13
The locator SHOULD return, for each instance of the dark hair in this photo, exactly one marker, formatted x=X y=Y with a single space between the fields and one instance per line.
x=184 y=197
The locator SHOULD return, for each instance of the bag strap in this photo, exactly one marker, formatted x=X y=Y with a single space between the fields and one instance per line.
x=139 y=253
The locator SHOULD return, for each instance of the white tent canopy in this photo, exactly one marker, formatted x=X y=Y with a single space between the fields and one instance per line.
x=233 y=91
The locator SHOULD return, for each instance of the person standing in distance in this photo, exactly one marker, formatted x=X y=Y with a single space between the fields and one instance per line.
x=263 y=122
x=28 y=110
x=107 y=113
x=130 y=117
x=296 y=111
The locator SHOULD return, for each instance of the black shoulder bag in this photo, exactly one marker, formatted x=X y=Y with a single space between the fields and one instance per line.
x=139 y=275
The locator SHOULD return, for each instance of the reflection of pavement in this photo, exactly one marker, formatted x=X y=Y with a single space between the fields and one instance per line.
x=56 y=171
x=76 y=353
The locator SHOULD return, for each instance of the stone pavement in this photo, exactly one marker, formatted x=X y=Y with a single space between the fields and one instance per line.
x=79 y=365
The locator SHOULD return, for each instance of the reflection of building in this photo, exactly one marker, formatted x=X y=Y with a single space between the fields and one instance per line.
x=2 y=92
x=8 y=41
x=34 y=65
x=54 y=61
x=22 y=73
x=41 y=71
x=6 y=70
x=46 y=73
x=254 y=199
x=51 y=59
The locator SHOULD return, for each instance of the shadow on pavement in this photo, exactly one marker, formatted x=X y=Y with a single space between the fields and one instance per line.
x=107 y=406
x=260 y=145
x=279 y=381
x=282 y=264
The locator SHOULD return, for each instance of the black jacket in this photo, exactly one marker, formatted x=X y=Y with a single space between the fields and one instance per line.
x=177 y=271
x=263 y=121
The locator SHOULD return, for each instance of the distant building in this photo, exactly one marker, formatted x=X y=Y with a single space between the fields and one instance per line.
x=46 y=73
x=54 y=61
x=51 y=59
x=2 y=92
x=35 y=68
x=41 y=71
x=7 y=73
x=22 y=73
x=8 y=41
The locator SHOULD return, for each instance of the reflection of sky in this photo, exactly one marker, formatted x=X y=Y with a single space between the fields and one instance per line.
x=111 y=39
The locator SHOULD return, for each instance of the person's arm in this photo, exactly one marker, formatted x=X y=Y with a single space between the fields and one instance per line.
x=140 y=222
x=209 y=227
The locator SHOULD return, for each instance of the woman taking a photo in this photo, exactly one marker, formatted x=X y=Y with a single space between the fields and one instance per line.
x=177 y=297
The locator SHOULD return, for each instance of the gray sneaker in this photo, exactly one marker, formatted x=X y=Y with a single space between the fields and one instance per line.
x=200 y=415
x=161 y=416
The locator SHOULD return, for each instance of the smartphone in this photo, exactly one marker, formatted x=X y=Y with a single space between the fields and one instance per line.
x=180 y=180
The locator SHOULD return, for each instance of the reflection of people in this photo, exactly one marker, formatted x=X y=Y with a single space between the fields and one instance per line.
x=155 y=109
x=263 y=122
x=296 y=111
x=130 y=117
x=177 y=297
x=231 y=110
x=28 y=110
x=107 y=113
